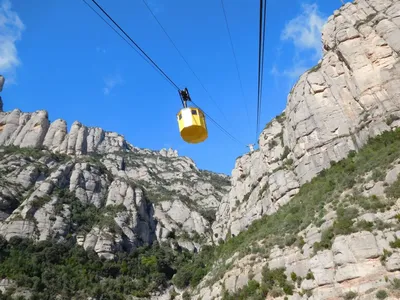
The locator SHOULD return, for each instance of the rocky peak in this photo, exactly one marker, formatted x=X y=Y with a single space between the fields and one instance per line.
x=351 y=95
x=169 y=152
x=34 y=130
x=94 y=185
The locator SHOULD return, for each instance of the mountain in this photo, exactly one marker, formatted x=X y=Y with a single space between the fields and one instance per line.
x=306 y=216
x=312 y=214
x=352 y=94
x=49 y=178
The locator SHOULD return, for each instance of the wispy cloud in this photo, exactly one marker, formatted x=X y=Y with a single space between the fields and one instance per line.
x=111 y=82
x=305 y=30
x=11 y=28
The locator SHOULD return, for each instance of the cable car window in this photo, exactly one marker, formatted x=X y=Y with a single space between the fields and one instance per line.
x=194 y=112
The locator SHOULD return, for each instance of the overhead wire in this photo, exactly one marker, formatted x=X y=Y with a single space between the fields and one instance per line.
x=261 y=43
x=130 y=45
x=154 y=65
x=219 y=126
x=235 y=58
x=141 y=50
x=184 y=59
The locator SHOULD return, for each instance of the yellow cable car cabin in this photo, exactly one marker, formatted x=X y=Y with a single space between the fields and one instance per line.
x=192 y=125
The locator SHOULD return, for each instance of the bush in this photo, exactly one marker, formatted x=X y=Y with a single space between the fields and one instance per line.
x=381 y=294
x=48 y=268
x=186 y=296
x=350 y=295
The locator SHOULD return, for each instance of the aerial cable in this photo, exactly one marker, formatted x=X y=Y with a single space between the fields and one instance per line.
x=219 y=126
x=235 y=58
x=261 y=43
x=183 y=58
x=259 y=66
x=148 y=57
x=153 y=63
x=130 y=45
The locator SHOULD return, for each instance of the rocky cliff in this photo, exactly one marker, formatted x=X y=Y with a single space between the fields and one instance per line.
x=307 y=217
x=96 y=186
x=338 y=238
x=352 y=94
x=313 y=214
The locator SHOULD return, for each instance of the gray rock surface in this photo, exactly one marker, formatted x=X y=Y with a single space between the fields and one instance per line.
x=363 y=262
x=351 y=95
x=132 y=196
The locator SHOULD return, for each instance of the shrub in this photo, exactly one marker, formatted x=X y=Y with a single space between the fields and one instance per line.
x=350 y=295
x=381 y=294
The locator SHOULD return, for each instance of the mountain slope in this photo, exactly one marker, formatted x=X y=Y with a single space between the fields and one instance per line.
x=338 y=236
x=93 y=184
x=352 y=94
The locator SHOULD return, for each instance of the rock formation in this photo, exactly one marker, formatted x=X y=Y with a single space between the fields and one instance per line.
x=352 y=94
x=134 y=196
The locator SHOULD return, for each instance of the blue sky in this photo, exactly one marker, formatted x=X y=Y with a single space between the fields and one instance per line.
x=60 y=56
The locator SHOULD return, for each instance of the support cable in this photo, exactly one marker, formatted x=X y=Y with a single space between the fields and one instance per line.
x=149 y=60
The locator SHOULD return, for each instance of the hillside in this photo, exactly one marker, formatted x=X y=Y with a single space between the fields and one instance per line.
x=339 y=235
x=352 y=94
x=142 y=195
x=313 y=214
x=92 y=189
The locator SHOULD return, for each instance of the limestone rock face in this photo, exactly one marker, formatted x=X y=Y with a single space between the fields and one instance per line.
x=93 y=185
x=362 y=262
x=35 y=130
x=351 y=95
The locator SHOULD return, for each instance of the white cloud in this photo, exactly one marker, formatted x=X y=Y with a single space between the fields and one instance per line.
x=111 y=82
x=305 y=30
x=11 y=28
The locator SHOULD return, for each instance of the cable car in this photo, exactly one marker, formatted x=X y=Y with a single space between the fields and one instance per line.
x=191 y=121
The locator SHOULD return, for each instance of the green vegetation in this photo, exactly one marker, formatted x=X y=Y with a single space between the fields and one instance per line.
x=391 y=119
x=393 y=191
x=217 y=180
x=304 y=208
x=395 y=243
x=285 y=153
x=49 y=268
x=85 y=216
x=315 y=68
x=274 y=283
x=272 y=144
x=343 y=225
x=350 y=295
x=34 y=153
x=281 y=118
x=381 y=294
